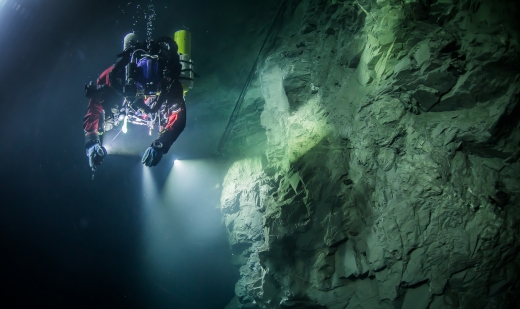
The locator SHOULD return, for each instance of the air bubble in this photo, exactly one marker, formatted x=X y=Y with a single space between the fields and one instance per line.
x=150 y=17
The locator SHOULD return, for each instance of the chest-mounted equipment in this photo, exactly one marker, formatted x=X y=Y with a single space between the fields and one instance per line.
x=143 y=74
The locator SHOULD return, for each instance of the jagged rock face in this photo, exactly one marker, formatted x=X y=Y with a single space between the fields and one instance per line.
x=388 y=173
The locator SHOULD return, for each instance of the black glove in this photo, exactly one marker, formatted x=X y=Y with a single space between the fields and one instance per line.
x=96 y=154
x=153 y=154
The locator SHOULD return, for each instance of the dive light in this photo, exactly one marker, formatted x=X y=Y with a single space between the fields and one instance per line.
x=125 y=124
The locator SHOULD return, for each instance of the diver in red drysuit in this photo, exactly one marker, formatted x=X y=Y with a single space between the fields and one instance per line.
x=109 y=88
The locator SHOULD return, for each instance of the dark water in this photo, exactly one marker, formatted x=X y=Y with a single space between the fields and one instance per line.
x=133 y=238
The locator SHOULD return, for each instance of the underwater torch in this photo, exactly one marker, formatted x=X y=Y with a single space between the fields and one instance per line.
x=125 y=124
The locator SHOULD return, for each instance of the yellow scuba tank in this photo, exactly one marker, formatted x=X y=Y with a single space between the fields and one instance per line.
x=183 y=40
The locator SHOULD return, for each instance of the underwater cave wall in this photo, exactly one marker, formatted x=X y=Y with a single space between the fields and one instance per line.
x=375 y=159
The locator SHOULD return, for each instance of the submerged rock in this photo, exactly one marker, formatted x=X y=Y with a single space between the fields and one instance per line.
x=386 y=171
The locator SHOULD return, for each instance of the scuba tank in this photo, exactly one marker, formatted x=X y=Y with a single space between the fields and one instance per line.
x=130 y=88
x=183 y=40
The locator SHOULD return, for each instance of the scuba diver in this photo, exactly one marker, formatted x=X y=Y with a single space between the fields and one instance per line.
x=147 y=76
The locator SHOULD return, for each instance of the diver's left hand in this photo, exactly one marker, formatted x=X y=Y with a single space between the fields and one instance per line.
x=151 y=157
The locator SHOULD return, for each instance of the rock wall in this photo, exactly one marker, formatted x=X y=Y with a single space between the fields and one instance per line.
x=378 y=163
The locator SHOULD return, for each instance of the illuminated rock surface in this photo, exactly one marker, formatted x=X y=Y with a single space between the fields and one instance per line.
x=376 y=159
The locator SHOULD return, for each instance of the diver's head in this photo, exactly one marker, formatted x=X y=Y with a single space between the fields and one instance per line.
x=129 y=40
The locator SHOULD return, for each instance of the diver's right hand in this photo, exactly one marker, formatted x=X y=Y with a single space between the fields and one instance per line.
x=96 y=153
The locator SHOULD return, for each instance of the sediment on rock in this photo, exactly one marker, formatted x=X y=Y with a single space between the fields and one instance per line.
x=383 y=166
